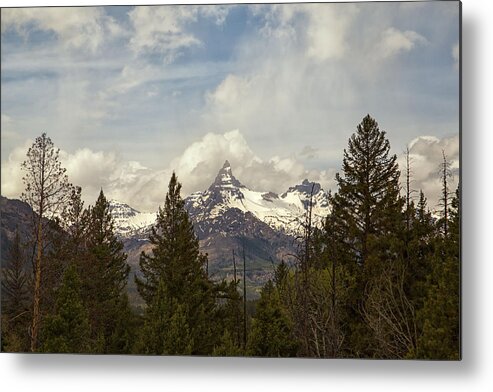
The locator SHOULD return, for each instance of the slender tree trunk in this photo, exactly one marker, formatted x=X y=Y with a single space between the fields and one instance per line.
x=37 y=286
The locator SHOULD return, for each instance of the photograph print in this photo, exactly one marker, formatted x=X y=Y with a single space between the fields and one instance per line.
x=234 y=180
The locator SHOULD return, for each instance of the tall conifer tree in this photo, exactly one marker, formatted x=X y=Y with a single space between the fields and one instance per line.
x=368 y=202
x=175 y=259
x=105 y=275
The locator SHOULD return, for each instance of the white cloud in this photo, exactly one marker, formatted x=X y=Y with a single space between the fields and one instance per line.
x=200 y=162
x=426 y=157
x=327 y=30
x=196 y=168
x=76 y=27
x=395 y=41
x=7 y=125
x=322 y=28
x=162 y=30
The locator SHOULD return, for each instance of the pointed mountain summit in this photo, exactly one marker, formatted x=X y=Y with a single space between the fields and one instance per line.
x=225 y=178
x=306 y=187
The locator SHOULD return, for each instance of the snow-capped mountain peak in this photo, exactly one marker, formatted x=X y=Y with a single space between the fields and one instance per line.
x=128 y=221
x=227 y=195
x=284 y=213
x=225 y=178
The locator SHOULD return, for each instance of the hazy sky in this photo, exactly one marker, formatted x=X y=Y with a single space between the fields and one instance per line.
x=129 y=94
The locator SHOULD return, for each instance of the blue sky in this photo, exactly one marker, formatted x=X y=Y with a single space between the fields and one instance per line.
x=130 y=94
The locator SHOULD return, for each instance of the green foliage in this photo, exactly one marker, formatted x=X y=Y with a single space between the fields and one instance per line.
x=440 y=314
x=227 y=347
x=368 y=203
x=175 y=260
x=102 y=263
x=175 y=256
x=178 y=340
x=271 y=333
x=67 y=330
x=15 y=280
x=166 y=330
x=15 y=299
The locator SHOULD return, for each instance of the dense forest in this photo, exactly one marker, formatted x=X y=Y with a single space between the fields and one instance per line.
x=379 y=279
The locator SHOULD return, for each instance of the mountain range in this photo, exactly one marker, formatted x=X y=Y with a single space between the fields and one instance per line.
x=230 y=218
x=232 y=222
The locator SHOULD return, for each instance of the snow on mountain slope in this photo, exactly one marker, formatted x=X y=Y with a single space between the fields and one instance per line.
x=284 y=212
x=128 y=221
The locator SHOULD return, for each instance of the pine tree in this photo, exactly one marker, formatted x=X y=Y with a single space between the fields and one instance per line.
x=368 y=203
x=47 y=190
x=166 y=330
x=15 y=299
x=420 y=250
x=175 y=256
x=152 y=337
x=105 y=276
x=15 y=280
x=440 y=314
x=178 y=339
x=227 y=347
x=68 y=330
x=369 y=221
x=176 y=260
x=271 y=334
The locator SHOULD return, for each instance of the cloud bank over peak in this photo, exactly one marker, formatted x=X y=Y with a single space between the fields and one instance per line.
x=196 y=167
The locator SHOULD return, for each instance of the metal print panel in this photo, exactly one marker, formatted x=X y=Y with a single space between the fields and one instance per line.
x=268 y=180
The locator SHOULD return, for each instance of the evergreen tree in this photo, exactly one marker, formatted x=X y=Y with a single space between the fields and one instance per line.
x=420 y=250
x=440 y=314
x=152 y=337
x=175 y=256
x=165 y=330
x=271 y=334
x=15 y=299
x=368 y=203
x=15 y=280
x=369 y=222
x=68 y=330
x=178 y=339
x=176 y=260
x=105 y=277
x=227 y=347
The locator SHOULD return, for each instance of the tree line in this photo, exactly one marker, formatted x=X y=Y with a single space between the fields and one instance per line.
x=379 y=279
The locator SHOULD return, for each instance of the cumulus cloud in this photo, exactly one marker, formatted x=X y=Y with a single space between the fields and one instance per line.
x=196 y=168
x=395 y=41
x=200 y=162
x=426 y=156
x=76 y=27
